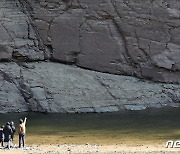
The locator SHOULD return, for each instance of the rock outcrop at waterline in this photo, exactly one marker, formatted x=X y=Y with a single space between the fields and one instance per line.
x=138 y=38
x=53 y=87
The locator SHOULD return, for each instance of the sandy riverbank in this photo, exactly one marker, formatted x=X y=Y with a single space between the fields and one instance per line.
x=87 y=148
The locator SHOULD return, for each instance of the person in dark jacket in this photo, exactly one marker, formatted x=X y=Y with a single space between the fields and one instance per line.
x=7 y=134
x=13 y=130
x=1 y=135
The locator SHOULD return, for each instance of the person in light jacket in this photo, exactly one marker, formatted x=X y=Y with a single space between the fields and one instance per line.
x=22 y=132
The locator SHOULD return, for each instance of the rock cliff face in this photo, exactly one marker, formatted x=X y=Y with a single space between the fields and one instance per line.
x=136 y=38
x=18 y=39
x=53 y=87
x=140 y=38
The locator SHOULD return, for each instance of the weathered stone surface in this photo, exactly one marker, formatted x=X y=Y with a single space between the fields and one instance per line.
x=11 y=99
x=53 y=87
x=18 y=39
x=138 y=38
x=135 y=107
x=121 y=37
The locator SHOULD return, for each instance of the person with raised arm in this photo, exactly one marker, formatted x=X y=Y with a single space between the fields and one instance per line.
x=22 y=132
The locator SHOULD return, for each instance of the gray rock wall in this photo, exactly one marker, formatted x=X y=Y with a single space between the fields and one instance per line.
x=57 y=88
x=139 y=38
x=18 y=39
x=136 y=38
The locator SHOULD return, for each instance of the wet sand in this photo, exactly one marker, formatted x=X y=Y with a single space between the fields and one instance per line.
x=90 y=148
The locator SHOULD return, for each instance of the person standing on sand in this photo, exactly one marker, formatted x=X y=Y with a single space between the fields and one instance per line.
x=1 y=135
x=22 y=132
x=13 y=131
x=7 y=134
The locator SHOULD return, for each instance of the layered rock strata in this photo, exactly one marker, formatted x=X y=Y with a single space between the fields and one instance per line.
x=57 y=88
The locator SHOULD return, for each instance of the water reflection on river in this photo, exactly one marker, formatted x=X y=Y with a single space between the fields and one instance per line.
x=153 y=126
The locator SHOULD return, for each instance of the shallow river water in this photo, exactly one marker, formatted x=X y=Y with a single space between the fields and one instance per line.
x=152 y=126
